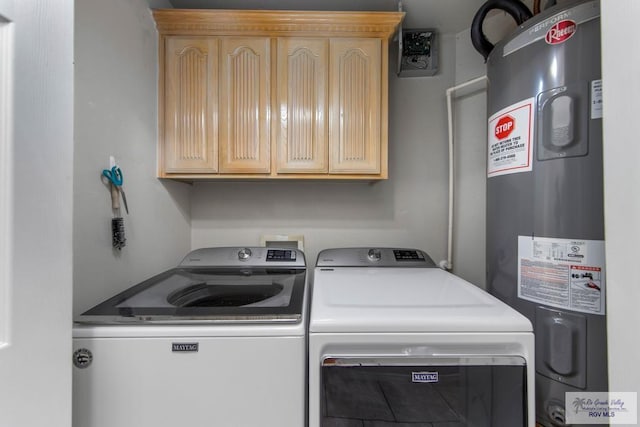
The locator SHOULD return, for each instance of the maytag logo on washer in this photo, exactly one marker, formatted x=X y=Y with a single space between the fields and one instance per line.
x=424 y=377
x=82 y=358
x=184 y=347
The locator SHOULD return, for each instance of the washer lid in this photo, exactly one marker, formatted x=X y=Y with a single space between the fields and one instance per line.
x=208 y=295
x=215 y=285
x=405 y=300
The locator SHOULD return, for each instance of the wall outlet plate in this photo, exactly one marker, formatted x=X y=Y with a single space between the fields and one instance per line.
x=283 y=240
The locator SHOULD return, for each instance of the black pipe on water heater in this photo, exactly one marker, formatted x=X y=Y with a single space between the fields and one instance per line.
x=518 y=11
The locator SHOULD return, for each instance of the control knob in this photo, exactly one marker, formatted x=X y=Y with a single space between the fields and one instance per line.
x=244 y=254
x=374 y=255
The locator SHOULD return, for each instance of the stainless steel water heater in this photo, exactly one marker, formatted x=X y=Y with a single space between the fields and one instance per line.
x=545 y=221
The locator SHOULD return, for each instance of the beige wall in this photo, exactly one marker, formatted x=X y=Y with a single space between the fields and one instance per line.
x=116 y=114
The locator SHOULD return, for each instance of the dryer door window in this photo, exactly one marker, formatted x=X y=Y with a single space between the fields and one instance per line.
x=487 y=392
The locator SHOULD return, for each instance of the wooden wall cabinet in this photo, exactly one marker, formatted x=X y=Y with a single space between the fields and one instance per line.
x=302 y=106
x=273 y=94
x=244 y=105
x=190 y=106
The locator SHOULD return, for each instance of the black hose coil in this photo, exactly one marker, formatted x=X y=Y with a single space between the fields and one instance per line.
x=518 y=11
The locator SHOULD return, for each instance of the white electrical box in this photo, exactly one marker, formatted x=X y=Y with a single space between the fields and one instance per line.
x=283 y=240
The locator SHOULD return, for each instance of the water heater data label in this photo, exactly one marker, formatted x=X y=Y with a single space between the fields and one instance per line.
x=596 y=99
x=562 y=273
x=510 y=146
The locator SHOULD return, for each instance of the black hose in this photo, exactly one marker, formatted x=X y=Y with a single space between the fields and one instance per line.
x=518 y=11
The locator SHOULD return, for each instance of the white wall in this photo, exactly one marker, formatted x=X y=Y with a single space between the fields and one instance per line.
x=35 y=368
x=620 y=68
x=116 y=114
x=409 y=209
x=470 y=124
x=6 y=165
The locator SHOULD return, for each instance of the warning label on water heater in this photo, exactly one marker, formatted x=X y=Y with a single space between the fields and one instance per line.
x=510 y=146
x=562 y=273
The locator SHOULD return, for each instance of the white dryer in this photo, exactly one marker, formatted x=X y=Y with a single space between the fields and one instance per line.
x=395 y=341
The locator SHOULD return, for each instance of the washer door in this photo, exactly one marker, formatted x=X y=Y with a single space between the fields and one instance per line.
x=476 y=392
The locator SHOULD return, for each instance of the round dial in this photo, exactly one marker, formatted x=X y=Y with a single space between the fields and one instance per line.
x=374 y=255
x=244 y=254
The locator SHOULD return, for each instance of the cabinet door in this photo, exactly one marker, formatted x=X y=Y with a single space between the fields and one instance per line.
x=244 y=105
x=302 y=103
x=190 y=116
x=354 y=106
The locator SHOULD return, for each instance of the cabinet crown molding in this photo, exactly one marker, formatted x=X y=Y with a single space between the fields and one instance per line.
x=277 y=22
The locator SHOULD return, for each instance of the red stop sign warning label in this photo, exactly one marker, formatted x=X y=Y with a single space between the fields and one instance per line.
x=510 y=135
x=504 y=127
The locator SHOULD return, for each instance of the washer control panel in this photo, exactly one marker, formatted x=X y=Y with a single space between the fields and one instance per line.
x=281 y=255
x=374 y=257
x=255 y=256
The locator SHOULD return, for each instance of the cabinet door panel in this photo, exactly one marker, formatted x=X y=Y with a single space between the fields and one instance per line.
x=355 y=105
x=302 y=102
x=244 y=105
x=190 y=116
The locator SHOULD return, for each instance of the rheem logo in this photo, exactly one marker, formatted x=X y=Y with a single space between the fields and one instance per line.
x=561 y=32
x=504 y=127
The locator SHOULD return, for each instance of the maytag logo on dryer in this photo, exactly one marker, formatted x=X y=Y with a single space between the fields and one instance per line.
x=185 y=347
x=424 y=377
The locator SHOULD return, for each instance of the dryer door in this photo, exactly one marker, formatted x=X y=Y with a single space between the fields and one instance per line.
x=461 y=392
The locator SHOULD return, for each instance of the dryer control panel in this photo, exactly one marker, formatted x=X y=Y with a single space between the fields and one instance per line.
x=374 y=257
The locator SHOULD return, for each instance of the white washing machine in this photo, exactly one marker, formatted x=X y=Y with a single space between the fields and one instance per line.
x=395 y=341
x=218 y=341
